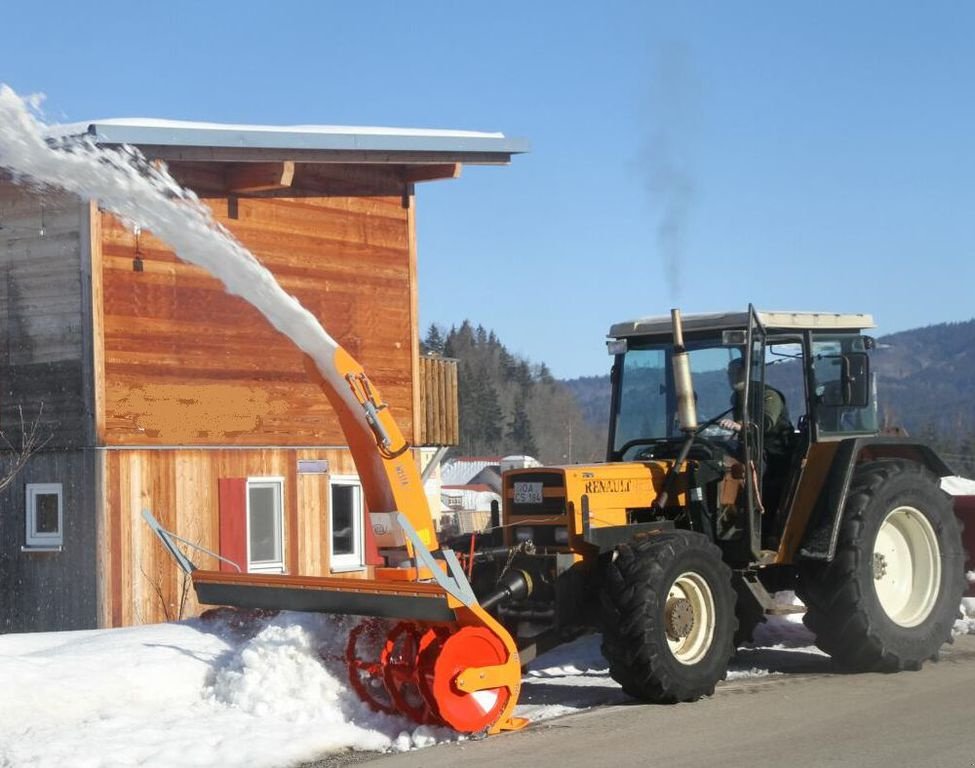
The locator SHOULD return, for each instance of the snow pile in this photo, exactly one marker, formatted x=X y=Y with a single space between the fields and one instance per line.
x=195 y=693
x=966 y=624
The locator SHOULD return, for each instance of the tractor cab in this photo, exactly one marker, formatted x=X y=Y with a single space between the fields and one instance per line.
x=766 y=388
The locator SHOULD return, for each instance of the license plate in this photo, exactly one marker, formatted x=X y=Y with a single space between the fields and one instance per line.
x=528 y=493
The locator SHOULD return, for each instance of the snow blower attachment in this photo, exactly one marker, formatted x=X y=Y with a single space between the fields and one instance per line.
x=425 y=648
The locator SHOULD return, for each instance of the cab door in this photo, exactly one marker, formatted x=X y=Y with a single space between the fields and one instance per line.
x=753 y=416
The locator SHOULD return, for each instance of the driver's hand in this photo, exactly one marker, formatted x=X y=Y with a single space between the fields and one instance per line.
x=730 y=424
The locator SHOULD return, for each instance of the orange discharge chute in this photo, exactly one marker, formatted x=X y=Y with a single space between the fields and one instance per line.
x=426 y=648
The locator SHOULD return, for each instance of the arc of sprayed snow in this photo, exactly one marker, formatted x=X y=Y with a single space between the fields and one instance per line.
x=126 y=185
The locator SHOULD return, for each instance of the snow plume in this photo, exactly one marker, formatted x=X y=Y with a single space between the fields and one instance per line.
x=123 y=182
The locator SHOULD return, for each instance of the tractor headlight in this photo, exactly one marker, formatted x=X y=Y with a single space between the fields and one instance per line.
x=524 y=533
x=561 y=535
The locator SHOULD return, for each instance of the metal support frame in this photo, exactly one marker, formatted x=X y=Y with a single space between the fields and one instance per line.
x=169 y=539
x=456 y=583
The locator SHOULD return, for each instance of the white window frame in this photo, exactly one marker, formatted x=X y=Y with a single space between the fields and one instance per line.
x=36 y=539
x=266 y=566
x=354 y=560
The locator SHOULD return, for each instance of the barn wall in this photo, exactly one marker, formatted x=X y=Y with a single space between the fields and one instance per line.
x=44 y=591
x=41 y=315
x=185 y=363
x=180 y=487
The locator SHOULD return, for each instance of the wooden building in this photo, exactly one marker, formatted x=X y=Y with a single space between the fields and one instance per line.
x=153 y=388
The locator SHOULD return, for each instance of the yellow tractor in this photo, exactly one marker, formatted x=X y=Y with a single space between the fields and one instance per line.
x=711 y=499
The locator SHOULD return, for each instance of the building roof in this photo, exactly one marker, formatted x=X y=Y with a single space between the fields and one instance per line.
x=181 y=140
x=726 y=321
x=463 y=470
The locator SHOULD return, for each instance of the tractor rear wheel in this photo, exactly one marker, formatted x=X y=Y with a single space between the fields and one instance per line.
x=888 y=599
x=668 y=617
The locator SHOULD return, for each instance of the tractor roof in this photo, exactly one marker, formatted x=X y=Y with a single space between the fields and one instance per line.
x=730 y=321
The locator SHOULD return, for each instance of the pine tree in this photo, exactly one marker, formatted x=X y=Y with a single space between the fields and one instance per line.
x=434 y=341
x=519 y=436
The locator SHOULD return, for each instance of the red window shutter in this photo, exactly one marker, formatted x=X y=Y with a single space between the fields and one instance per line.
x=232 y=494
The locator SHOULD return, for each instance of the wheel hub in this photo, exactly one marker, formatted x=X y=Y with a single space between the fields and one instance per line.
x=680 y=618
x=879 y=566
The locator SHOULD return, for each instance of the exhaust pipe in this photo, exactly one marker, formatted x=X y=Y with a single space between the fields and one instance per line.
x=686 y=407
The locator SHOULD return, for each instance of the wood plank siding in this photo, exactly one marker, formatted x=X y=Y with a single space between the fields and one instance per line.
x=159 y=390
x=188 y=365
x=185 y=363
x=180 y=487
x=440 y=418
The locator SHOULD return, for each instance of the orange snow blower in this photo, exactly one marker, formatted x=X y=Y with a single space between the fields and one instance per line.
x=426 y=647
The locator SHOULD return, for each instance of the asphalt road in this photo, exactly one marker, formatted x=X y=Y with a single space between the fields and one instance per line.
x=815 y=717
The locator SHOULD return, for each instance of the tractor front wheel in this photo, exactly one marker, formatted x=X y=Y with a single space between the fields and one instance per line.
x=668 y=617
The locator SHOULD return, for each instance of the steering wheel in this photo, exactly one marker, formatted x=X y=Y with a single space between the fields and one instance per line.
x=710 y=448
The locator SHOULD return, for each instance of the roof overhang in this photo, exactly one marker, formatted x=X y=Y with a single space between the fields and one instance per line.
x=300 y=160
x=221 y=142
x=774 y=321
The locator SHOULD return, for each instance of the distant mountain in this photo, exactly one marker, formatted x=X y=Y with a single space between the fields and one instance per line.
x=925 y=384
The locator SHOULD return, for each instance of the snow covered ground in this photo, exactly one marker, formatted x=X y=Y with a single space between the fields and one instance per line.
x=200 y=693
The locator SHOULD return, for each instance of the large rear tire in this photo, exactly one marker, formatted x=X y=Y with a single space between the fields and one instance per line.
x=890 y=596
x=668 y=617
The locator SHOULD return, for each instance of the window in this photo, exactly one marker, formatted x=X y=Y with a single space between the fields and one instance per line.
x=265 y=525
x=345 y=523
x=44 y=515
x=833 y=375
x=784 y=371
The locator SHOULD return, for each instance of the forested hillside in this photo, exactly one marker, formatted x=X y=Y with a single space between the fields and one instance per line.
x=509 y=405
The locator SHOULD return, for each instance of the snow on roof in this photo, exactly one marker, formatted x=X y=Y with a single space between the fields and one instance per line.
x=462 y=471
x=477 y=487
x=721 y=321
x=235 y=138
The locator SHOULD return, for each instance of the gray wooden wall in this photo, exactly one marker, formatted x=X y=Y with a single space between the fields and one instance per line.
x=43 y=308
x=44 y=591
x=41 y=318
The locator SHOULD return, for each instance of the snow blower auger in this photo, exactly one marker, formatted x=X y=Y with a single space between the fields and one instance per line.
x=426 y=648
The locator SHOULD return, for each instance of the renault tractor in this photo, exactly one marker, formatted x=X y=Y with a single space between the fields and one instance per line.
x=675 y=545
x=744 y=458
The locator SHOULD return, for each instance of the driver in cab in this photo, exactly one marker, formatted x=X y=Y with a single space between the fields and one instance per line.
x=778 y=432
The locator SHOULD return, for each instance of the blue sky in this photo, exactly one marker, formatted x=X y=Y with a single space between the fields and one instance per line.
x=692 y=154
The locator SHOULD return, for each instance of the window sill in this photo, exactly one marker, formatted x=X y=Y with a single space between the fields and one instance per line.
x=37 y=548
x=347 y=569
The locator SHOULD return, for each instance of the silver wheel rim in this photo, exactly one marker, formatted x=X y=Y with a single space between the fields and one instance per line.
x=906 y=566
x=689 y=593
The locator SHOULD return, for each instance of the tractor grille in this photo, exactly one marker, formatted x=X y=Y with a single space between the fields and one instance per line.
x=553 y=494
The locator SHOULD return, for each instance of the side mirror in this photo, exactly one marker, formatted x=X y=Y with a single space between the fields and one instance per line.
x=856 y=379
x=852 y=389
